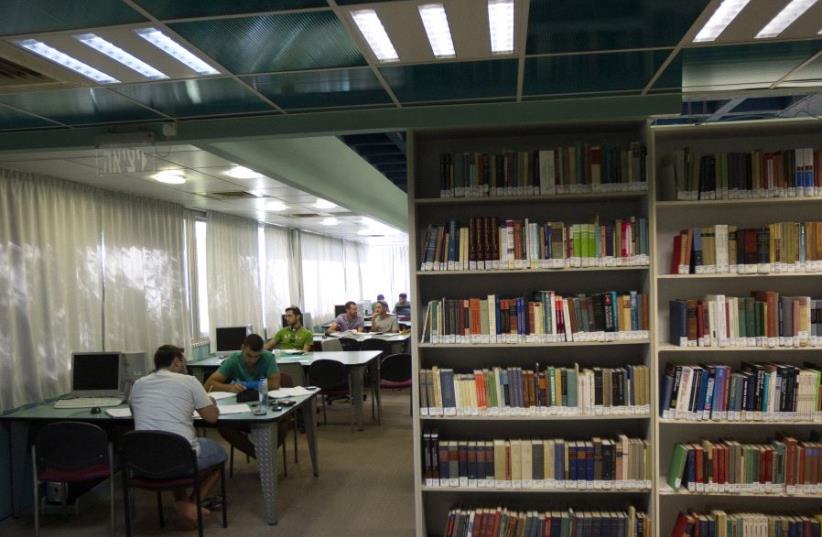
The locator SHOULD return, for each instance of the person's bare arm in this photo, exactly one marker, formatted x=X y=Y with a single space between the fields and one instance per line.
x=274 y=381
x=209 y=413
x=271 y=343
x=217 y=381
x=307 y=347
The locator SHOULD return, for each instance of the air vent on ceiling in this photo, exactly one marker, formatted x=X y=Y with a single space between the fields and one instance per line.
x=13 y=74
x=235 y=195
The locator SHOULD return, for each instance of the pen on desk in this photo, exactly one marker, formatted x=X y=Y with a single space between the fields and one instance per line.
x=210 y=388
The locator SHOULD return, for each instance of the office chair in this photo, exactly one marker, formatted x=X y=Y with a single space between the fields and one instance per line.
x=331 y=344
x=161 y=461
x=395 y=374
x=72 y=452
x=350 y=344
x=332 y=379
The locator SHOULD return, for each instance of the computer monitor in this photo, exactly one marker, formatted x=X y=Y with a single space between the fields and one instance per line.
x=365 y=307
x=96 y=374
x=230 y=338
x=339 y=309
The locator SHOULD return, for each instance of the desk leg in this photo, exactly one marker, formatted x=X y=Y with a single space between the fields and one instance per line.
x=355 y=375
x=264 y=437
x=19 y=465
x=310 y=420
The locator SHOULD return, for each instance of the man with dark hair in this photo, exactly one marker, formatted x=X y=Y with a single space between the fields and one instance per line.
x=402 y=308
x=294 y=335
x=240 y=371
x=349 y=320
x=164 y=401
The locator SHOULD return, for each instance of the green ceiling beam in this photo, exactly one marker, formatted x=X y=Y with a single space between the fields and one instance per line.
x=325 y=167
x=592 y=108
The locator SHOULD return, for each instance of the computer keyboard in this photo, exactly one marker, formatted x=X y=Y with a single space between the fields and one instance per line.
x=88 y=402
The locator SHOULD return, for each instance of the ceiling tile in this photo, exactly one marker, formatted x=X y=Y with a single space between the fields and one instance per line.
x=591 y=72
x=322 y=89
x=272 y=43
x=179 y=9
x=33 y=16
x=580 y=25
x=459 y=80
x=12 y=119
x=79 y=106
x=205 y=96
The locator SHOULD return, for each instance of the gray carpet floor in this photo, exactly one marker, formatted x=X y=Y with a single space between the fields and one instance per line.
x=365 y=488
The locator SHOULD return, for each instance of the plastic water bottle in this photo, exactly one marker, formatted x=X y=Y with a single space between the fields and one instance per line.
x=262 y=388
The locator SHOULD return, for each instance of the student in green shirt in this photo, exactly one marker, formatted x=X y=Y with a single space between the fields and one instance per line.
x=237 y=373
x=293 y=336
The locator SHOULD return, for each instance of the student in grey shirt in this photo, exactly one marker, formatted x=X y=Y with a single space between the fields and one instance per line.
x=165 y=401
x=383 y=321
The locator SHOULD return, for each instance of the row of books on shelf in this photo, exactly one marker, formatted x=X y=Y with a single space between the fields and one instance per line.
x=783 y=247
x=491 y=243
x=545 y=317
x=764 y=319
x=759 y=391
x=542 y=391
x=739 y=175
x=559 y=170
x=619 y=464
x=503 y=522
x=783 y=465
x=720 y=523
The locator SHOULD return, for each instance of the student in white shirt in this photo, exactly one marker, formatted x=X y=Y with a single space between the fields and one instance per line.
x=165 y=401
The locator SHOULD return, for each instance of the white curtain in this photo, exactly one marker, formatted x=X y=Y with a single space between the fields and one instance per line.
x=144 y=274
x=233 y=272
x=355 y=256
x=323 y=274
x=387 y=272
x=50 y=283
x=278 y=276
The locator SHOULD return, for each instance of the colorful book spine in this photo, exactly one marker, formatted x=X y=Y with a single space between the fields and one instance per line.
x=722 y=523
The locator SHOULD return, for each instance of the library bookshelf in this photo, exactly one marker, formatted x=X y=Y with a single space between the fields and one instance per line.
x=666 y=217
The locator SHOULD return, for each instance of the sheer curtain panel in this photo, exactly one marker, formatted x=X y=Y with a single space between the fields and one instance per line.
x=323 y=273
x=355 y=256
x=279 y=275
x=50 y=283
x=144 y=274
x=387 y=272
x=233 y=273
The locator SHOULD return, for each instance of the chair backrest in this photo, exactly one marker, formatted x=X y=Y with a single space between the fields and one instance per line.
x=157 y=455
x=374 y=344
x=328 y=374
x=350 y=344
x=331 y=344
x=285 y=380
x=295 y=373
x=396 y=367
x=70 y=445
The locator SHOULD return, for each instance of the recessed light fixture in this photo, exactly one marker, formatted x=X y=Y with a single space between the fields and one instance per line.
x=275 y=205
x=329 y=221
x=176 y=51
x=324 y=204
x=365 y=232
x=435 y=22
x=121 y=56
x=501 y=25
x=722 y=17
x=374 y=33
x=785 y=18
x=69 y=62
x=241 y=172
x=171 y=177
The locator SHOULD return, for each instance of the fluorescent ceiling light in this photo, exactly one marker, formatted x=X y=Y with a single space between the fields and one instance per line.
x=501 y=25
x=69 y=62
x=785 y=18
x=435 y=22
x=324 y=204
x=241 y=172
x=329 y=221
x=171 y=177
x=366 y=232
x=374 y=33
x=722 y=17
x=370 y=222
x=119 y=55
x=275 y=205
x=176 y=51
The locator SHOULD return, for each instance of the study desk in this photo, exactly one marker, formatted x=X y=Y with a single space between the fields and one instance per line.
x=263 y=435
x=356 y=363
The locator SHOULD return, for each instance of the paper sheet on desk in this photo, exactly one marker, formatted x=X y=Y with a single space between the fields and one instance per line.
x=221 y=395
x=119 y=412
x=289 y=392
x=234 y=409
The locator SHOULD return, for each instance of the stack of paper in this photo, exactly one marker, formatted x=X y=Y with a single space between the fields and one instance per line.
x=289 y=392
x=119 y=412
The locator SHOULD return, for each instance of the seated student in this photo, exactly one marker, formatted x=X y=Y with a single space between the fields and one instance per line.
x=381 y=300
x=293 y=336
x=164 y=401
x=237 y=373
x=383 y=321
x=403 y=307
x=349 y=320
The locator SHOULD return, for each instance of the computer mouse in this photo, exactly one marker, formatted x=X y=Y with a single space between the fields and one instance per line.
x=96 y=410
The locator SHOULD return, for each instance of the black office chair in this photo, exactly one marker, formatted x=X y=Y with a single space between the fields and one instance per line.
x=160 y=461
x=332 y=379
x=395 y=374
x=350 y=344
x=71 y=452
x=373 y=373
